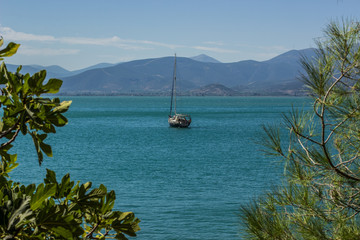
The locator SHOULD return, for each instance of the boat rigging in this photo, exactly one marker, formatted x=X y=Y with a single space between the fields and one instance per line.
x=176 y=119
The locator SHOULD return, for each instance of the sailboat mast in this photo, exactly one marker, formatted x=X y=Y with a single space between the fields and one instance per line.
x=175 y=85
x=172 y=89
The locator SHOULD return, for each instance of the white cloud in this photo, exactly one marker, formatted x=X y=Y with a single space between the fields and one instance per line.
x=166 y=45
x=11 y=35
x=118 y=42
x=128 y=44
x=46 y=51
x=114 y=42
x=214 y=43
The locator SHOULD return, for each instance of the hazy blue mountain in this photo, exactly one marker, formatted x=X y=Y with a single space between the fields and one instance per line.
x=51 y=71
x=275 y=76
x=99 y=65
x=200 y=75
x=54 y=71
x=205 y=58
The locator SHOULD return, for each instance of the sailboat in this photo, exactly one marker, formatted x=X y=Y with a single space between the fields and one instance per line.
x=177 y=120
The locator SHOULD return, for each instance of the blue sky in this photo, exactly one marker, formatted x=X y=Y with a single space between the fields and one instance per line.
x=78 y=33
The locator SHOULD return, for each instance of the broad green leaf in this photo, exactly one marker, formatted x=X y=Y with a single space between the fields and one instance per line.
x=120 y=236
x=37 y=146
x=63 y=107
x=87 y=185
x=50 y=176
x=26 y=86
x=23 y=126
x=11 y=164
x=14 y=111
x=46 y=148
x=62 y=231
x=53 y=85
x=42 y=193
x=35 y=83
x=29 y=190
x=48 y=128
x=126 y=216
x=108 y=202
x=96 y=193
x=58 y=120
x=64 y=188
x=39 y=77
x=10 y=50
x=129 y=226
x=3 y=73
x=61 y=225
x=19 y=69
x=3 y=99
x=21 y=212
x=14 y=84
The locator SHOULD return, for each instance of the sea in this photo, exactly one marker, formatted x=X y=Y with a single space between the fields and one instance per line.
x=183 y=184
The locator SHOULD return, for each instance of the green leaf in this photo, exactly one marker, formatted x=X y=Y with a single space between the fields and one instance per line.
x=50 y=176
x=58 y=120
x=126 y=223
x=4 y=73
x=35 y=83
x=14 y=84
x=65 y=233
x=10 y=50
x=37 y=141
x=63 y=107
x=87 y=185
x=42 y=193
x=26 y=86
x=64 y=188
x=20 y=214
x=61 y=225
x=53 y=85
x=39 y=77
x=29 y=190
x=120 y=236
x=18 y=69
x=23 y=126
x=46 y=148
x=10 y=164
x=108 y=202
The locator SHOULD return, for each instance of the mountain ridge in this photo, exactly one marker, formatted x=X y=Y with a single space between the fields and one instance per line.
x=199 y=75
x=276 y=76
x=205 y=58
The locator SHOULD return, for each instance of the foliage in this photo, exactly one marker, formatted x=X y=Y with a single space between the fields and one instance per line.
x=320 y=197
x=53 y=209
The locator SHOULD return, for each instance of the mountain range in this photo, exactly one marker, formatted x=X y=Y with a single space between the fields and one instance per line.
x=200 y=75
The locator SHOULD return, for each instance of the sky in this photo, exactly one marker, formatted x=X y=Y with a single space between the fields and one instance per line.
x=75 y=34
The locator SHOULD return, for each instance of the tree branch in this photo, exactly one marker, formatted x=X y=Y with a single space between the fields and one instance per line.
x=4 y=133
x=11 y=140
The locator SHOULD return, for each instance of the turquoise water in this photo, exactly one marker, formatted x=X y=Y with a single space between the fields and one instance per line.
x=181 y=183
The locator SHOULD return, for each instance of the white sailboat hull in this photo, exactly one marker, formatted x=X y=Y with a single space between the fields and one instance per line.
x=179 y=120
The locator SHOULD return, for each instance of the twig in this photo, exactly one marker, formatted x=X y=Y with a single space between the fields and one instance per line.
x=11 y=140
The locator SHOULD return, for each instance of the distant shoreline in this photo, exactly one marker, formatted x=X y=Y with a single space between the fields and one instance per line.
x=98 y=94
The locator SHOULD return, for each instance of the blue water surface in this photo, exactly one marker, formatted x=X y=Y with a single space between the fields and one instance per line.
x=182 y=183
